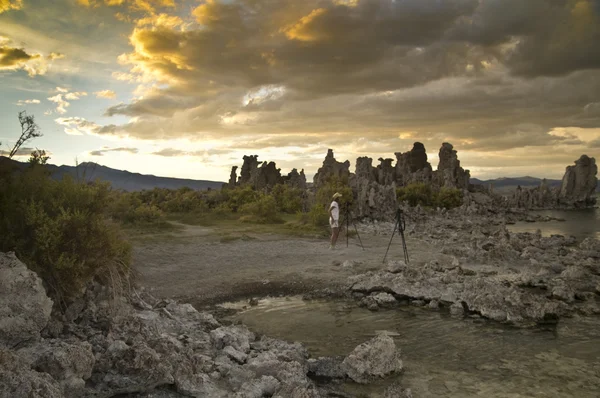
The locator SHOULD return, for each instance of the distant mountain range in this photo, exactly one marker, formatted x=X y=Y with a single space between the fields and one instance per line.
x=505 y=184
x=120 y=179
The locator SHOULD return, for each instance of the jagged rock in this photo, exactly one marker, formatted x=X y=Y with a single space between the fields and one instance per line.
x=579 y=182
x=396 y=266
x=24 y=306
x=396 y=391
x=237 y=337
x=412 y=166
x=374 y=200
x=375 y=358
x=457 y=309
x=449 y=174
x=234 y=354
x=331 y=169
x=68 y=363
x=330 y=367
x=386 y=173
x=258 y=388
x=296 y=180
x=18 y=380
x=384 y=300
x=266 y=176
x=248 y=169
x=233 y=177
x=199 y=385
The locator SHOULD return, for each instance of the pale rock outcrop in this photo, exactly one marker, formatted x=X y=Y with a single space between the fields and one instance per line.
x=18 y=380
x=373 y=200
x=266 y=176
x=449 y=174
x=248 y=169
x=579 y=182
x=24 y=306
x=386 y=172
x=331 y=169
x=375 y=358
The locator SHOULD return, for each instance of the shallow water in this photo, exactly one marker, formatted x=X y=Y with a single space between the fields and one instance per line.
x=444 y=356
x=579 y=223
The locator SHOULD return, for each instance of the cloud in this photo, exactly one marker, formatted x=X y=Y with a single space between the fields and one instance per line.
x=170 y=152
x=148 y=6
x=61 y=99
x=7 y=5
x=28 y=102
x=75 y=95
x=78 y=126
x=108 y=94
x=101 y=152
x=21 y=152
x=13 y=58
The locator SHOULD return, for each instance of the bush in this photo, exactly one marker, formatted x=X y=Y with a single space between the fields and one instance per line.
x=61 y=231
x=416 y=194
x=449 y=198
x=129 y=210
x=239 y=197
x=318 y=216
x=326 y=192
x=262 y=211
x=287 y=199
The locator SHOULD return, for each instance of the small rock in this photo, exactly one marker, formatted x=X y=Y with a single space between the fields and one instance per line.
x=348 y=264
x=234 y=354
x=457 y=309
x=418 y=303
x=375 y=358
x=434 y=304
x=395 y=266
x=384 y=300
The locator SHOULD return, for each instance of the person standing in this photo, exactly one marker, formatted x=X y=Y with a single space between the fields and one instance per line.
x=334 y=218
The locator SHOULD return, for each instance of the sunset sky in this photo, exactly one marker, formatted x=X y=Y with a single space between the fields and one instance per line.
x=186 y=88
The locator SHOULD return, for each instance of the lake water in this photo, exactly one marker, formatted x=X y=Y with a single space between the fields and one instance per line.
x=444 y=356
x=579 y=223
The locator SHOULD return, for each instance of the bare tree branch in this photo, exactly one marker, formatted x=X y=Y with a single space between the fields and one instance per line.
x=29 y=130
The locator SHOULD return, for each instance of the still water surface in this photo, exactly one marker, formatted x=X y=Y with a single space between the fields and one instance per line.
x=443 y=356
x=579 y=223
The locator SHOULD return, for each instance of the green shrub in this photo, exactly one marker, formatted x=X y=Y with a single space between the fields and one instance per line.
x=287 y=199
x=262 y=211
x=449 y=198
x=60 y=230
x=416 y=194
x=326 y=192
x=318 y=216
x=239 y=197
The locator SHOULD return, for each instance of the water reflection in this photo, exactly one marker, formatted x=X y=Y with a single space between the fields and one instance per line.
x=446 y=357
x=579 y=223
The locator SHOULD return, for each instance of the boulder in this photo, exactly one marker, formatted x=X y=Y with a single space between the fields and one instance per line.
x=24 y=306
x=18 y=380
x=375 y=358
x=238 y=338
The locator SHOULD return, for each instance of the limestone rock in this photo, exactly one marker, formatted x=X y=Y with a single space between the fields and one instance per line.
x=296 y=180
x=384 y=299
x=449 y=174
x=412 y=166
x=579 y=182
x=396 y=266
x=330 y=367
x=233 y=177
x=375 y=358
x=18 y=380
x=238 y=338
x=374 y=200
x=248 y=169
x=331 y=169
x=24 y=306
x=258 y=388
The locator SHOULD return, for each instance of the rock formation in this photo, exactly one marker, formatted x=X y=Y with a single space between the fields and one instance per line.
x=266 y=176
x=579 y=182
x=449 y=174
x=233 y=177
x=373 y=200
x=24 y=306
x=295 y=179
x=386 y=173
x=331 y=169
x=412 y=166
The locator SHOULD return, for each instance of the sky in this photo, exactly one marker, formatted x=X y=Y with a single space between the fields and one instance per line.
x=185 y=88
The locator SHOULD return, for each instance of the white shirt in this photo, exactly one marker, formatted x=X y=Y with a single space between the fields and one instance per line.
x=335 y=210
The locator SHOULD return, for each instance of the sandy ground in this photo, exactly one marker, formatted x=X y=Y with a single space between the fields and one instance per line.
x=198 y=267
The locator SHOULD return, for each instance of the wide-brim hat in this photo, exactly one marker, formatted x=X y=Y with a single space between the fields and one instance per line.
x=337 y=195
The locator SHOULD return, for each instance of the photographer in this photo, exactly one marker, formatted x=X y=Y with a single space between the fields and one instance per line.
x=334 y=219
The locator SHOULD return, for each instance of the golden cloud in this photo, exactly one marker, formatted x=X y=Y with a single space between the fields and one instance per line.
x=108 y=94
x=304 y=30
x=7 y=5
x=149 y=6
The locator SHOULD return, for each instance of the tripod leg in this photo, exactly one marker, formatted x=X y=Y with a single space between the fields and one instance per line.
x=388 y=248
x=404 y=248
x=359 y=239
x=347 y=224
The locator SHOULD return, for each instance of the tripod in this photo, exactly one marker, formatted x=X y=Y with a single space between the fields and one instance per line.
x=347 y=222
x=401 y=226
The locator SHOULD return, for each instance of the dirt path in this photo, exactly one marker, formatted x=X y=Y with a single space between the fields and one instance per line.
x=199 y=266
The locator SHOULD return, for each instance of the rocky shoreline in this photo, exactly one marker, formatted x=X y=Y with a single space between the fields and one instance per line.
x=523 y=279
x=107 y=346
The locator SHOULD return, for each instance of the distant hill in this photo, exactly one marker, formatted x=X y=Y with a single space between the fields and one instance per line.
x=505 y=184
x=120 y=179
